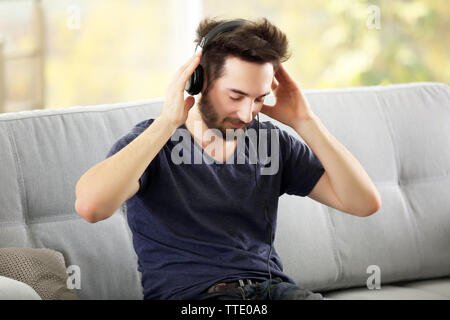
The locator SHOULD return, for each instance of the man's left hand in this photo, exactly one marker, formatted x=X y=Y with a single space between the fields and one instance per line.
x=291 y=106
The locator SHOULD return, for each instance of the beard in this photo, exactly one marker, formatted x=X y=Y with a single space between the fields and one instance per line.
x=211 y=118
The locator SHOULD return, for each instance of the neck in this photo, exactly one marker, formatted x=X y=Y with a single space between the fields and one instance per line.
x=192 y=124
x=194 y=118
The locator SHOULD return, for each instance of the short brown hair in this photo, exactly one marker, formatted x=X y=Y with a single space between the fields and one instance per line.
x=258 y=42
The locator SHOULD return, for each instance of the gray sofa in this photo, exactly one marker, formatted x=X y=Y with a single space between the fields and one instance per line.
x=399 y=133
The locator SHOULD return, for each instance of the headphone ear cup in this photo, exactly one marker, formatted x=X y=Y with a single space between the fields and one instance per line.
x=195 y=83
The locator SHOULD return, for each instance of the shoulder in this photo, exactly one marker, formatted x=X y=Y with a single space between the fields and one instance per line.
x=262 y=124
x=271 y=128
x=141 y=126
x=129 y=136
x=137 y=129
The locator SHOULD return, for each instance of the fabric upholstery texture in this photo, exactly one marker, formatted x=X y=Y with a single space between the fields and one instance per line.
x=42 y=269
x=399 y=133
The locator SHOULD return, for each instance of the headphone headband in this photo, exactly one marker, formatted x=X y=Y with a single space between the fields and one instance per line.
x=221 y=28
x=195 y=83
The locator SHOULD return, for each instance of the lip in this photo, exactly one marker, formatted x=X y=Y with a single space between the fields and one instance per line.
x=237 y=125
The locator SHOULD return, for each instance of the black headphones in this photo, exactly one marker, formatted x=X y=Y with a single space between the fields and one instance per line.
x=195 y=83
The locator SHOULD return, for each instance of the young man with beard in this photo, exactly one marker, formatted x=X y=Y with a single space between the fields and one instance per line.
x=205 y=230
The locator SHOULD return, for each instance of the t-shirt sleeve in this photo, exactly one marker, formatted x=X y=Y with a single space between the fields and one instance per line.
x=125 y=140
x=301 y=167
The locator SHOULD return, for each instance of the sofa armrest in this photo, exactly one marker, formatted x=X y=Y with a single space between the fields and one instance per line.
x=11 y=289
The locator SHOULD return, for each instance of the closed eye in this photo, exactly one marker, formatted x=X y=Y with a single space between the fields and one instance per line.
x=237 y=99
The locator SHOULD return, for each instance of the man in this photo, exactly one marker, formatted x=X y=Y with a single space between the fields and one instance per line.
x=205 y=230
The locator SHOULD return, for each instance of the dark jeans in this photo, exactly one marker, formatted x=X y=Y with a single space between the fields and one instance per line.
x=279 y=290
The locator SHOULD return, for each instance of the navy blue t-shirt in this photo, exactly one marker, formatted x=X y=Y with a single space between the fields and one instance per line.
x=196 y=224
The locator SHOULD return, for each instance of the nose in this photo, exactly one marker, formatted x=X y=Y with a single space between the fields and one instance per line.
x=245 y=112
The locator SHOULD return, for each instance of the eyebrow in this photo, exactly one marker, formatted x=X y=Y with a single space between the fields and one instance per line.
x=246 y=94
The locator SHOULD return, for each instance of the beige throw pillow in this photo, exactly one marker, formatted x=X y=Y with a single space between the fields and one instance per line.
x=42 y=269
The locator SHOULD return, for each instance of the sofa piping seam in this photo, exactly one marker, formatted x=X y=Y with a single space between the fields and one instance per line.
x=20 y=183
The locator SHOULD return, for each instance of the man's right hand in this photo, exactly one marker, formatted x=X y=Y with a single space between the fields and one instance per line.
x=176 y=107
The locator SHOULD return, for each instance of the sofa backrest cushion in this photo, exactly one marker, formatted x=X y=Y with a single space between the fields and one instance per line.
x=399 y=133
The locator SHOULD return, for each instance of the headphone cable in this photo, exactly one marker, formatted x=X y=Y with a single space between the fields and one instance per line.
x=265 y=214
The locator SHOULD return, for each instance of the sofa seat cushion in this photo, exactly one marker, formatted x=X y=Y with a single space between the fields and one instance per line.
x=436 y=289
x=439 y=286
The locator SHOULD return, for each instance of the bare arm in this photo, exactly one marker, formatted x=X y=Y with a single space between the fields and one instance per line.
x=345 y=185
x=102 y=189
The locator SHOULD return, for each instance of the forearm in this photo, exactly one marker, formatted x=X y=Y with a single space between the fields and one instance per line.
x=104 y=187
x=351 y=183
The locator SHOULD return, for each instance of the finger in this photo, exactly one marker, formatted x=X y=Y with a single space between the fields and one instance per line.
x=274 y=84
x=186 y=65
x=189 y=61
x=189 y=102
x=186 y=74
x=283 y=75
x=268 y=110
